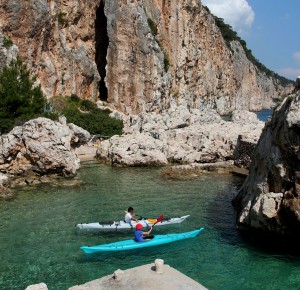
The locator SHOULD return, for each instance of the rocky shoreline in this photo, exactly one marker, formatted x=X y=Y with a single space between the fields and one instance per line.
x=42 y=150
x=184 y=142
x=181 y=136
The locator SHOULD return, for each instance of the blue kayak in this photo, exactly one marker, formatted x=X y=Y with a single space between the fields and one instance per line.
x=131 y=244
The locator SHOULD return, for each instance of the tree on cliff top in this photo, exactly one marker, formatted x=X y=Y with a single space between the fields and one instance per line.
x=20 y=99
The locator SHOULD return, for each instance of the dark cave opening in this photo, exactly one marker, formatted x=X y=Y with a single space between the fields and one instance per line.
x=101 y=43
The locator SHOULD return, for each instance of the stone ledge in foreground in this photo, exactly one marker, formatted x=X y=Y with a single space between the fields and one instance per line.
x=156 y=276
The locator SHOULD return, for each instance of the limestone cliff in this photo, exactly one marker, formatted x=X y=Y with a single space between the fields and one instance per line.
x=270 y=196
x=138 y=55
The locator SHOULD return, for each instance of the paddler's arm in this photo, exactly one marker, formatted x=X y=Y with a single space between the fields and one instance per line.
x=134 y=219
x=147 y=233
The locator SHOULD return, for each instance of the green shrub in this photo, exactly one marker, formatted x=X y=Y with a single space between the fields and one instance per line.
x=61 y=18
x=166 y=62
x=87 y=105
x=153 y=26
x=20 y=100
x=85 y=114
x=7 y=42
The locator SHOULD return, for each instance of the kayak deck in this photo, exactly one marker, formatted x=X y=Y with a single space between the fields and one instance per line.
x=131 y=244
x=121 y=225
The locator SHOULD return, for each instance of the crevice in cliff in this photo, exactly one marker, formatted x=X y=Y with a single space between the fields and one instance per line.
x=101 y=43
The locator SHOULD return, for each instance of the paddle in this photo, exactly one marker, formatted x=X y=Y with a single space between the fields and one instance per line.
x=158 y=220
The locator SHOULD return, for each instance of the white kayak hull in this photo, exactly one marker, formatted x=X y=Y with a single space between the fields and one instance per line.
x=121 y=225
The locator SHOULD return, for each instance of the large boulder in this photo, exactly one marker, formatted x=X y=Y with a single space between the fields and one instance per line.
x=42 y=146
x=269 y=199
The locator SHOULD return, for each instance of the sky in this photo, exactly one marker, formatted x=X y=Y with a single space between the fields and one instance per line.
x=271 y=29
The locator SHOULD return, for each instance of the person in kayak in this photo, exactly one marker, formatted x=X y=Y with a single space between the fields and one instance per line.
x=129 y=216
x=140 y=236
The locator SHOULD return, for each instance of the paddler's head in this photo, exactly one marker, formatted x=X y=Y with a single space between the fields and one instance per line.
x=130 y=209
x=138 y=227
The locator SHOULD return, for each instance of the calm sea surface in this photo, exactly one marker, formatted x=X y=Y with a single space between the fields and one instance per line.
x=264 y=114
x=39 y=242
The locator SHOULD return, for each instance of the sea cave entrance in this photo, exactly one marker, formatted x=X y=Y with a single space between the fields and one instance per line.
x=101 y=43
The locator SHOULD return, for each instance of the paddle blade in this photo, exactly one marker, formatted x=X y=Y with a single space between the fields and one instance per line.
x=158 y=220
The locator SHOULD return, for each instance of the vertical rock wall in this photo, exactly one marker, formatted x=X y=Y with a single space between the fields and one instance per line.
x=56 y=40
x=270 y=196
x=138 y=55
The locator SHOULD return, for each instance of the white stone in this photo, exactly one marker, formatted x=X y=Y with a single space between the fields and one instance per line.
x=40 y=286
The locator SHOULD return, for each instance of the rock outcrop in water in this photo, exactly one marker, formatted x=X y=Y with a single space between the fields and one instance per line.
x=139 y=56
x=269 y=199
x=41 y=146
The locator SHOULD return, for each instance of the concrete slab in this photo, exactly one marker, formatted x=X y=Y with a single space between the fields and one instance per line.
x=147 y=277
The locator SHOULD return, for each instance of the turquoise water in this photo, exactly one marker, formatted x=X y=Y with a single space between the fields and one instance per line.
x=39 y=242
x=262 y=115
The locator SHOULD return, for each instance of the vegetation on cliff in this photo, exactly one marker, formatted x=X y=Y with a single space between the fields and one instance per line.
x=154 y=30
x=7 y=42
x=85 y=114
x=21 y=100
x=230 y=35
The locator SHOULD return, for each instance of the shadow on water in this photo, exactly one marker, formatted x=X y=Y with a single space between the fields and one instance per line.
x=221 y=214
x=282 y=247
x=94 y=232
x=222 y=217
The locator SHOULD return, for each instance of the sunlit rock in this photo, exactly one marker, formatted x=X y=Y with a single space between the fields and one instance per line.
x=269 y=198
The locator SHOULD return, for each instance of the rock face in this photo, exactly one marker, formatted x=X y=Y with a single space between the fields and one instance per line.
x=56 y=40
x=179 y=136
x=42 y=146
x=242 y=154
x=270 y=196
x=297 y=85
x=139 y=56
x=7 y=52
